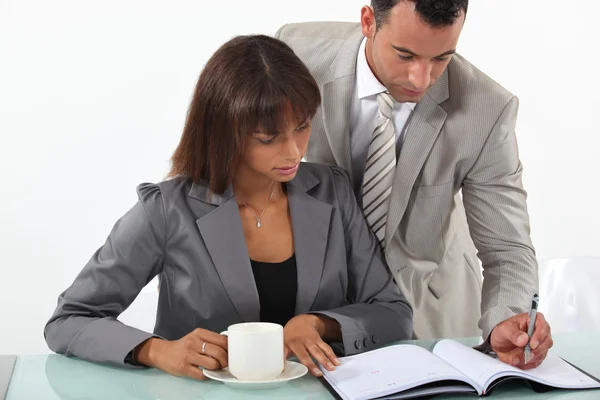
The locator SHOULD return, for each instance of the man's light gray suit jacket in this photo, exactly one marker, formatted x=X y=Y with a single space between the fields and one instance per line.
x=195 y=241
x=460 y=136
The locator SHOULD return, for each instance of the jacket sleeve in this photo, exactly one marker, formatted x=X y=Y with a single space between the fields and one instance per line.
x=85 y=323
x=496 y=209
x=377 y=313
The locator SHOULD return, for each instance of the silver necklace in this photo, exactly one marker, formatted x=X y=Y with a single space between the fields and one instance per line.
x=258 y=223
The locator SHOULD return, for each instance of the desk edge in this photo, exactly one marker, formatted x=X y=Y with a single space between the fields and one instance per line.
x=7 y=366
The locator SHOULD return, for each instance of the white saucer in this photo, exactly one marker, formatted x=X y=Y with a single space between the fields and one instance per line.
x=292 y=370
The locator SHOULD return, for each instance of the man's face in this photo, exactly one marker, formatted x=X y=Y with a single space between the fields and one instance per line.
x=406 y=54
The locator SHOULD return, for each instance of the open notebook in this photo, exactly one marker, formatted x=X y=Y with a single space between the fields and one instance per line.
x=406 y=371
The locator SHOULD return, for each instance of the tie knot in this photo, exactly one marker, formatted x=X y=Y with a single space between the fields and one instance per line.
x=385 y=101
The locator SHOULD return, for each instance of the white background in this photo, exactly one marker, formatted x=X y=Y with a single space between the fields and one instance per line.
x=93 y=97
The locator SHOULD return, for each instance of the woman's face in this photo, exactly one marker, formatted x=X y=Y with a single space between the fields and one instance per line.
x=276 y=156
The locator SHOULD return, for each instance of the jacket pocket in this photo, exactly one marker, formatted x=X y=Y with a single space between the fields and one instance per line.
x=433 y=190
x=425 y=220
x=440 y=279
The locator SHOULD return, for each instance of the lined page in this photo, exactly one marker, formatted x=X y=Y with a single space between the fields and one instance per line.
x=388 y=370
x=484 y=369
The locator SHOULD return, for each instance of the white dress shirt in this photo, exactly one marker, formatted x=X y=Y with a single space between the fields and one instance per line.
x=363 y=115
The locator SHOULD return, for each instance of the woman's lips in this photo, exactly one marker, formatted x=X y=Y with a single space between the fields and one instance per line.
x=288 y=170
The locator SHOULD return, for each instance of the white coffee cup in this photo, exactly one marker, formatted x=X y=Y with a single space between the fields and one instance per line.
x=255 y=350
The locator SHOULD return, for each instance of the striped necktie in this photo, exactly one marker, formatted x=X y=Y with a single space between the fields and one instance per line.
x=380 y=168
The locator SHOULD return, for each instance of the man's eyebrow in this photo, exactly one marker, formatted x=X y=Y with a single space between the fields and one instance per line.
x=412 y=53
x=447 y=53
x=404 y=50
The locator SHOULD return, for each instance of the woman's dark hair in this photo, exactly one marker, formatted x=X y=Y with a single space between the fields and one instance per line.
x=436 y=13
x=250 y=82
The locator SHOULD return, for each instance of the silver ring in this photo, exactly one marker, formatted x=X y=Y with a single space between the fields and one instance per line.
x=203 y=347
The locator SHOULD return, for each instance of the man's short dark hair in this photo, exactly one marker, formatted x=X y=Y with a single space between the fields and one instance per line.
x=436 y=13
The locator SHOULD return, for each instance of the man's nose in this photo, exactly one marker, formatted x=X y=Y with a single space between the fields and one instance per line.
x=420 y=75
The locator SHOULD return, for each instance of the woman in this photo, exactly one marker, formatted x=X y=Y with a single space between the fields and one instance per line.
x=242 y=232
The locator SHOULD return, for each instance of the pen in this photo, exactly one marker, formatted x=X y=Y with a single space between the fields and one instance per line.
x=532 y=313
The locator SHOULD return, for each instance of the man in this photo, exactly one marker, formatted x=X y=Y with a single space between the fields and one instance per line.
x=416 y=126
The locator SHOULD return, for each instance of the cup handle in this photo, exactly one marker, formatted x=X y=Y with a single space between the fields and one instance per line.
x=225 y=333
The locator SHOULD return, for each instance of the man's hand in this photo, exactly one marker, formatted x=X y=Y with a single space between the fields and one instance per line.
x=508 y=340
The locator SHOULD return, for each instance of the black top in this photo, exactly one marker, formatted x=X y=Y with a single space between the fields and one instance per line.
x=277 y=287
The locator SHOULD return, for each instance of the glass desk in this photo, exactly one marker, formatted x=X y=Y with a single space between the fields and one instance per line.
x=47 y=377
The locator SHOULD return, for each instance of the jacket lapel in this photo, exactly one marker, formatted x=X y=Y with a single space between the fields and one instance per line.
x=223 y=235
x=424 y=127
x=310 y=227
x=337 y=91
x=336 y=101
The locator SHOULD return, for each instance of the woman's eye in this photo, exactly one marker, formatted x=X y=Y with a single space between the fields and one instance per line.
x=302 y=127
x=266 y=141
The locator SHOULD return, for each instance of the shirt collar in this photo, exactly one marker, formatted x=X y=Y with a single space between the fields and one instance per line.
x=366 y=82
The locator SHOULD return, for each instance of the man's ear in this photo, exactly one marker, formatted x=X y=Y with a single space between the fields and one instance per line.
x=367 y=22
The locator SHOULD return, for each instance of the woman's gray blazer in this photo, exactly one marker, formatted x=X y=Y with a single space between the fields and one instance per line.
x=194 y=240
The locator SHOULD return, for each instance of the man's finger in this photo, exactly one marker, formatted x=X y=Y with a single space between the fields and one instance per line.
x=545 y=345
x=536 y=360
x=516 y=336
x=513 y=357
x=541 y=332
x=542 y=349
x=540 y=319
x=533 y=363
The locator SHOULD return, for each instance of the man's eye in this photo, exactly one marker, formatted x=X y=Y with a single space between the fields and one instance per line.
x=405 y=58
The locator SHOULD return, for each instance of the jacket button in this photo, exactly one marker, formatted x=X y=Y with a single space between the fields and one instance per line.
x=358 y=344
x=366 y=342
x=375 y=339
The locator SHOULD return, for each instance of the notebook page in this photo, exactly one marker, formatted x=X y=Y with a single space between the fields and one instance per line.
x=484 y=369
x=388 y=370
x=554 y=371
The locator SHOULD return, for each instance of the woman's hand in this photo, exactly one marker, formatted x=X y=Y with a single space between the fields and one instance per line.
x=302 y=337
x=200 y=348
